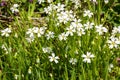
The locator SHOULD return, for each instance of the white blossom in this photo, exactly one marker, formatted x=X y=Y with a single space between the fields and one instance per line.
x=70 y=30
x=49 y=35
x=53 y=58
x=60 y=7
x=62 y=36
x=47 y=49
x=113 y=42
x=6 y=32
x=110 y=67
x=88 y=25
x=40 y=1
x=106 y=1
x=73 y=61
x=87 y=13
x=87 y=57
x=100 y=29
x=14 y=8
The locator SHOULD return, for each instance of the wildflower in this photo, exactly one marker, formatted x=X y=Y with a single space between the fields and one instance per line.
x=66 y=55
x=106 y=1
x=80 y=32
x=76 y=51
x=73 y=61
x=63 y=17
x=116 y=30
x=16 y=76
x=40 y=1
x=30 y=38
x=77 y=3
x=70 y=30
x=49 y=1
x=62 y=36
x=51 y=75
x=110 y=67
x=16 y=35
x=76 y=23
x=70 y=15
x=94 y=1
x=30 y=32
x=4 y=47
x=39 y=31
x=30 y=70
x=14 y=8
x=87 y=13
x=50 y=35
x=47 y=49
x=7 y=50
x=60 y=7
x=37 y=60
x=53 y=58
x=100 y=29
x=87 y=57
x=3 y=3
x=6 y=32
x=88 y=25
x=113 y=42
x=49 y=9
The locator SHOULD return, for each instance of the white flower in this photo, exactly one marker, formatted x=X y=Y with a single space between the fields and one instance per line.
x=94 y=1
x=14 y=8
x=6 y=32
x=87 y=13
x=62 y=36
x=100 y=29
x=49 y=35
x=88 y=25
x=7 y=50
x=30 y=70
x=110 y=67
x=30 y=38
x=70 y=30
x=106 y=1
x=16 y=76
x=70 y=15
x=30 y=32
x=53 y=58
x=40 y=1
x=47 y=49
x=73 y=61
x=49 y=9
x=113 y=42
x=37 y=60
x=49 y=1
x=76 y=23
x=87 y=57
x=40 y=31
x=63 y=17
x=60 y=7
x=80 y=32
x=77 y=3
x=4 y=47
x=116 y=30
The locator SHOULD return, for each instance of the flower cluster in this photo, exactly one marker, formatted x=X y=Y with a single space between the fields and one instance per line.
x=14 y=8
x=35 y=30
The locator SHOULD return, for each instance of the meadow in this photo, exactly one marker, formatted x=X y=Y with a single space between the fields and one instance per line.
x=59 y=40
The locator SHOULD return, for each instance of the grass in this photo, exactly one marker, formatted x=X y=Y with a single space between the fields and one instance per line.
x=27 y=61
